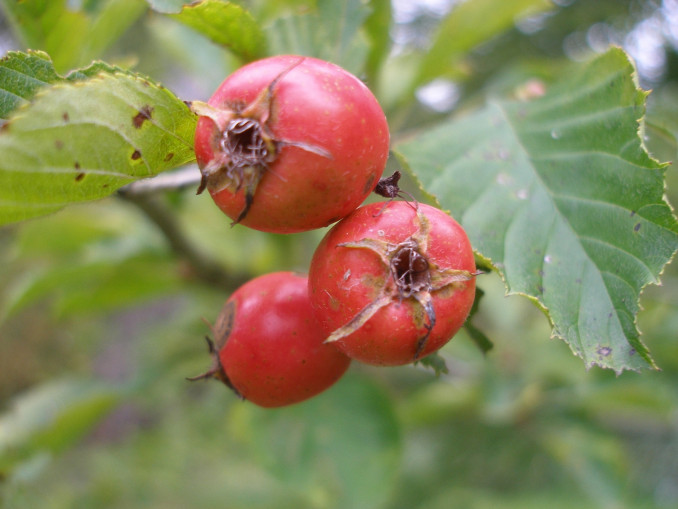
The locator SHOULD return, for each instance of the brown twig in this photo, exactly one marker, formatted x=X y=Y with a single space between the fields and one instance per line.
x=203 y=267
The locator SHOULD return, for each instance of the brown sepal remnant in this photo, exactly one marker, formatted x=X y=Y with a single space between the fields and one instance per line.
x=221 y=330
x=216 y=370
x=388 y=188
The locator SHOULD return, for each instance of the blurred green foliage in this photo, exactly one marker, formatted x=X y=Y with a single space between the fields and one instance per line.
x=101 y=320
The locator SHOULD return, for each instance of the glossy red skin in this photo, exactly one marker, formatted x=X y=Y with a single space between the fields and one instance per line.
x=343 y=280
x=317 y=103
x=274 y=354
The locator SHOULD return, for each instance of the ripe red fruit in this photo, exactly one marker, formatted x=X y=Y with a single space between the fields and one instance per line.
x=269 y=348
x=290 y=143
x=392 y=284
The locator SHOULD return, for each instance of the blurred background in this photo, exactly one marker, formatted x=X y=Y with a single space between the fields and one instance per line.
x=101 y=320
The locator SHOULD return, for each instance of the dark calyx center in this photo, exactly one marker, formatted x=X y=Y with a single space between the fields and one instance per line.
x=410 y=271
x=244 y=143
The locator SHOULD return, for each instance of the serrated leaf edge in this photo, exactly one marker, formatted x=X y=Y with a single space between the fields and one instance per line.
x=642 y=94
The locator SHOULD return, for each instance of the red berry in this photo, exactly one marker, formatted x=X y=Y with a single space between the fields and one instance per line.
x=392 y=284
x=290 y=143
x=269 y=347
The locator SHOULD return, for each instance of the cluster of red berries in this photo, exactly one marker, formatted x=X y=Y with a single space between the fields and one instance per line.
x=289 y=144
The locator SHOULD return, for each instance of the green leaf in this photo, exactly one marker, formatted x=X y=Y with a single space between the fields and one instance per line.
x=108 y=24
x=477 y=336
x=90 y=287
x=82 y=141
x=596 y=461
x=660 y=142
x=317 y=446
x=93 y=70
x=168 y=6
x=561 y=197
x=332 y=31
x=51 y=418
x=76 y=265
x=227 y=24
x=23 y=74
x=378 y=30
x=436 y=362
x=468 y=25
x=73 y=36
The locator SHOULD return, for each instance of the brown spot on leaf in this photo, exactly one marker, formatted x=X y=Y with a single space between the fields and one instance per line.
x=76 y=165
x=169 y=156
x=143 y=115
x=636 y=227
x=604 y=351
x=59 y=144
x=79 y=177
x=136 y=155
x=66 y=117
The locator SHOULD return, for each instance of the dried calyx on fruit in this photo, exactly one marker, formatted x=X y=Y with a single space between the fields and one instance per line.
x=412 y=275
x=392 y=284
x=216 y=370
x=268 y=347
x=220 y=331
x=245 y=146
x=388 y=187
x=288 y=144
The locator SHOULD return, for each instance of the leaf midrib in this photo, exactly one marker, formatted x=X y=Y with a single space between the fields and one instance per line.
x=563 y=219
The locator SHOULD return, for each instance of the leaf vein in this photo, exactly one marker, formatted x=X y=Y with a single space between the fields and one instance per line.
x=577 y=120
x=566 y=223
